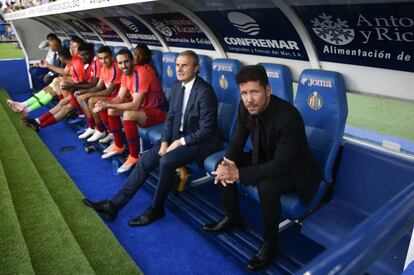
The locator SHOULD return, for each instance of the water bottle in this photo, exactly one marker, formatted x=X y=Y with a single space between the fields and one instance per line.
x=114 y=167
x=90 y=148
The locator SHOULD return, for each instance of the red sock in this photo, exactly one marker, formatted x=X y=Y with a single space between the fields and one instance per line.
x=131 y=132
x=104 y=118
x=100 y=127
x=45 y=117
x=115 y=125
x=51 y=120
x=91 y=122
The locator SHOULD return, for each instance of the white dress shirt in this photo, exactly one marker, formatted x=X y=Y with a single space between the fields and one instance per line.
x=187 y=90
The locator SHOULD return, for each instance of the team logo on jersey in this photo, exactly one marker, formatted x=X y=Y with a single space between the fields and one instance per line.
x=169 y=71
x=129 y=24
x=315 y=101
x=335 y=32
x=224 y=84
x=243 y=23
x=161 y=27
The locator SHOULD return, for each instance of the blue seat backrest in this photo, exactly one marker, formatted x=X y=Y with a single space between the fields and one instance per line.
x=223 y=81
x=96 y=48
x=321 y=100
x=116 y=49
x=66 y=43
x=205 y=67
x=367 y=178
x=156 y=62
x=280 y=80
x=169 y=75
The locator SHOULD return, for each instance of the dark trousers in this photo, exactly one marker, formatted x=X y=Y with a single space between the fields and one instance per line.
x=167 y=176
x=270 y=191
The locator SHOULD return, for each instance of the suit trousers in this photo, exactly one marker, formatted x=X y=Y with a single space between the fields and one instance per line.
x=167 y=176
x=270 y=191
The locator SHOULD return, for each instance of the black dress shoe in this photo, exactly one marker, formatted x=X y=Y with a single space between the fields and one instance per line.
x=105 y=207
x=263 y=257
x=150 y=215
x=224 y=224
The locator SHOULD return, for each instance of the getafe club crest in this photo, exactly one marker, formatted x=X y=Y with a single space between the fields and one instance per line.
x=315 y=101
x=224 y=84
x=169 y=71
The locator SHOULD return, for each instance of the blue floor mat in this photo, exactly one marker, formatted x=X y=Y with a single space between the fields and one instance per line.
x=168 y=246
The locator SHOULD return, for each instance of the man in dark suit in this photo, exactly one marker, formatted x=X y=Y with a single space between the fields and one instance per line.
x=190 y=133
x=280 y=162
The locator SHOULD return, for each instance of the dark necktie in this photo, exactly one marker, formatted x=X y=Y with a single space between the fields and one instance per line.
x=256 y=142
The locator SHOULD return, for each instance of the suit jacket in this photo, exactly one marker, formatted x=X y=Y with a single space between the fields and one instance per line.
x=200 y=118
x=285 y=154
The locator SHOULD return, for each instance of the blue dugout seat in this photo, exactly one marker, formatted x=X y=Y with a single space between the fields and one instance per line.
x=169 y=76
x=66 y=43
x=321 y=100
x=205 y=67
x=96 y=47
x=228 y=97
x=156 y=62
x=116 y=49
x=358 y=195
x=280 y=80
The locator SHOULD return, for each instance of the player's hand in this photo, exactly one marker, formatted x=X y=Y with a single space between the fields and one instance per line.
x=163 y=148
x=177 y=143
x=99 y=106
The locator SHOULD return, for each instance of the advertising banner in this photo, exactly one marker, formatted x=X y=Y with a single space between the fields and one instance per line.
x=136 y=32
x=57 y=29
x=257 y=32
x=375 y=35
x=179 y=31
x=83 y=29
x=106 y=32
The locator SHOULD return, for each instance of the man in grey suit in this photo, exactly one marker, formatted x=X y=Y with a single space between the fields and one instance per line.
x=190 y=134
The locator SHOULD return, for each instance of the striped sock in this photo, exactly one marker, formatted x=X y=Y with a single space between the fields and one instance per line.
x=116 y=126
x=131 y=133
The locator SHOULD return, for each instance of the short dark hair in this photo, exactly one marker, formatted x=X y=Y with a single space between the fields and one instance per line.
x=253 y=73
x=125 y=52
x=105 y=49
x=86 y=47
x=191 y=54
x=77 y=39
x=51 y=36
x=64 y=52
x=146 y=51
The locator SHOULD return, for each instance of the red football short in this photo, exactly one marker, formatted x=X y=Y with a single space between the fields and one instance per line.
x=154 y=116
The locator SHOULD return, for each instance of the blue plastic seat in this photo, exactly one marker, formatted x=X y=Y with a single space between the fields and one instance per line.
x=116 y=49
x=169 y=76
x=156 y=62
x=224 y=84
x=66 y=43
x=321 y=100
x=205 y=67
x=96 y=47
x=280 y=80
